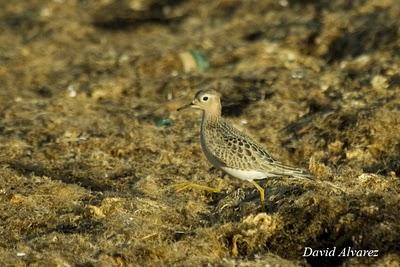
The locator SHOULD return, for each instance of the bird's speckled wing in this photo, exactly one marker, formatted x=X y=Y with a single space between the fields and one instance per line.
x=236 y=150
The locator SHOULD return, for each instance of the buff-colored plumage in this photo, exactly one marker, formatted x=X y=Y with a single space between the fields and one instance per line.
x=233 y=151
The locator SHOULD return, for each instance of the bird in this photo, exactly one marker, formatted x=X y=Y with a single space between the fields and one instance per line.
x=231 y=150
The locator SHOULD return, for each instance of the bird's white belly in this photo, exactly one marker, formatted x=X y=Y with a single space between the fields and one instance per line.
x=245 y=175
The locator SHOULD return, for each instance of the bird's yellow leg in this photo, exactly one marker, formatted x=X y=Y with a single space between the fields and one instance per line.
x=189 y=185
x=260 y=190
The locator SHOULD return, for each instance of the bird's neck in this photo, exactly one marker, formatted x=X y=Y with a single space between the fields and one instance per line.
x=211 y=118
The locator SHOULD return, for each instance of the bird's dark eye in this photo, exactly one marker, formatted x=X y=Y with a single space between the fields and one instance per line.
x=205 y=98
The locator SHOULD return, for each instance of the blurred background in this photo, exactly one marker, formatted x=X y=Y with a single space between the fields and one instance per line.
x=92 y=145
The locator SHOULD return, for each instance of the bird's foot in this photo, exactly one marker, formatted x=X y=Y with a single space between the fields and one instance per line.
x=261 y=191
x=190 y=185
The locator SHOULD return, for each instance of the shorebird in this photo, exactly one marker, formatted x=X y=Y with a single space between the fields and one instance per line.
x=232 y=151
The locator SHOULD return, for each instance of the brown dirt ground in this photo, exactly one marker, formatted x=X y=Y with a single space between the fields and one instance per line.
x=87 y=172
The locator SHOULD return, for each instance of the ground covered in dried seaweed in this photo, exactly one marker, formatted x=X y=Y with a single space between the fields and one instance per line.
x=92 y=146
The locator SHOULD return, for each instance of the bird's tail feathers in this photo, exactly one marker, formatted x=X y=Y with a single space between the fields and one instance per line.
x=293 y=172
x=304 y=174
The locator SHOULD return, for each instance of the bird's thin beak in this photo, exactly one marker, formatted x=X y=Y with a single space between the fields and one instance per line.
x=186 y=106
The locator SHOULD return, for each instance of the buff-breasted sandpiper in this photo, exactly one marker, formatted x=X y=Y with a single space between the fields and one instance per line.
x=232 y=151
